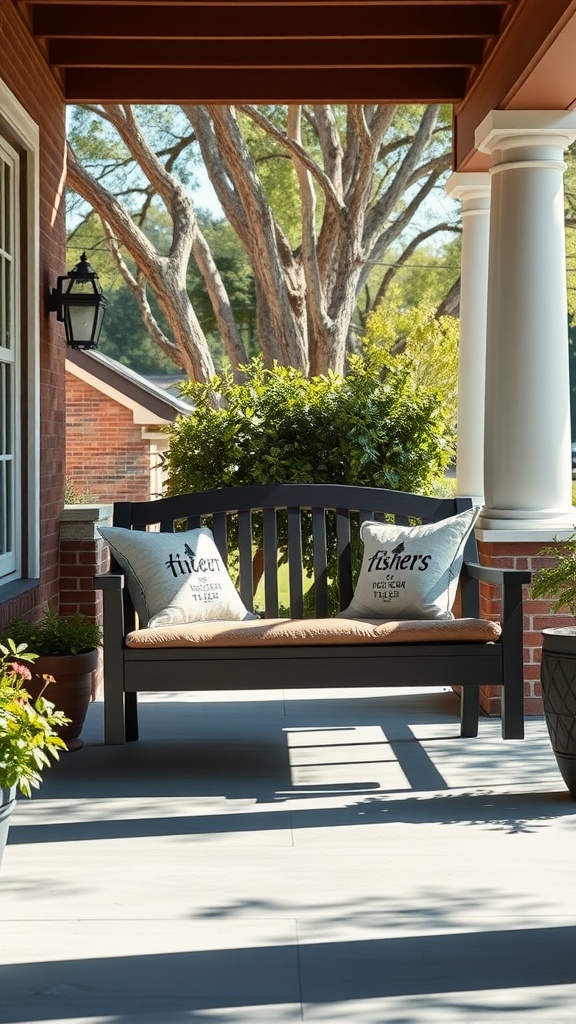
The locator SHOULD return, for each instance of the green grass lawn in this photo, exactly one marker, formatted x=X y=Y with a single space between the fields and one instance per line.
x=283 y=590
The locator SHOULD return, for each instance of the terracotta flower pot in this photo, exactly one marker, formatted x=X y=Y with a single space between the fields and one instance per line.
x=72 y=691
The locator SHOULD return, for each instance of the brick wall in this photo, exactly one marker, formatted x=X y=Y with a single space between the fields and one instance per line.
x=24 y=73
x=537 y=616
x=106 y=455
x=83 y=554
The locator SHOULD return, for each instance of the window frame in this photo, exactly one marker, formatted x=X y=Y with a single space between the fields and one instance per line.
x=21 y=134
x=10 y=449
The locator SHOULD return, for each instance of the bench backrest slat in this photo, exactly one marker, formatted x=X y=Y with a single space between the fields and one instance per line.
x=220 y=531
x=344 y=557
x=295 y=574
x=320 y=562
x=402 y=520
x=245 y=556
x=270 y=558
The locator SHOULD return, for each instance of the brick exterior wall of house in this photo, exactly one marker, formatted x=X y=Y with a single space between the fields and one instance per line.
x=106 y=455
x=537 y=616
x=83 y=555
x=25 y=75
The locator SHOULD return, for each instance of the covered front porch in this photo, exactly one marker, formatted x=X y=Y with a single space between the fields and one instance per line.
x=282 y=857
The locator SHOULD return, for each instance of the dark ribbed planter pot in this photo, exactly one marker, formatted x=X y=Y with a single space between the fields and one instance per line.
x=72 y=690
x=7 y=802
x=558 y=678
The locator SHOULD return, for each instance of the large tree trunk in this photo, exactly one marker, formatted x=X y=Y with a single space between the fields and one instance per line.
x=280 y=291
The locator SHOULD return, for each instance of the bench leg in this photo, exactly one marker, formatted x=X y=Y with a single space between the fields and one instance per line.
x=114 y=731
x=131 y=708
x=513 y=709
x=469 y=709
x=512 y=665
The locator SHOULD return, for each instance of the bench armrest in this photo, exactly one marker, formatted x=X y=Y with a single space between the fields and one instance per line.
x=511 y=613
x=114 y=623
x=112 y=587
x=108 y=581
x=502 y=577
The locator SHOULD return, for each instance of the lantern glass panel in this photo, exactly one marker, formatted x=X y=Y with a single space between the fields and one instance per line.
x=79 y=322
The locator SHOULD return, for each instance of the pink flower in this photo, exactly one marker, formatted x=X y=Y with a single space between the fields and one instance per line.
x=20 y=670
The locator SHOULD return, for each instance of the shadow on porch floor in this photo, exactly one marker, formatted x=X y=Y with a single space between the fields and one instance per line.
x=280 y=857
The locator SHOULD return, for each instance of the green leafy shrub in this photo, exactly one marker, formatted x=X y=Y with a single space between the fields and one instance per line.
x=376 y=426
x=559 y=580
x=77 y=495
x=420 y=343
x=55 y=635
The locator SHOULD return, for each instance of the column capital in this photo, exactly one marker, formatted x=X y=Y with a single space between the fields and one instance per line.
x=502 y=129
x=465 y=185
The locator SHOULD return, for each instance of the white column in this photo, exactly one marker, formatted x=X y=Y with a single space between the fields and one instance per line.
x=527 y=477
x=473 y=190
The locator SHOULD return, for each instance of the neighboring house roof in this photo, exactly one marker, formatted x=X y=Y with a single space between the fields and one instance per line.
x=167 y=381
x=150 y=403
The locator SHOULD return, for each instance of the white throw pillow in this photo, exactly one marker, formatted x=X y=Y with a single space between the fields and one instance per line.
x=175 y=577
x=410 y=572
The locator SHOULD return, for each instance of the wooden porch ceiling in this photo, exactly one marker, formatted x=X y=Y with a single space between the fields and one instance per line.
x=206 y=51
x=475 y=54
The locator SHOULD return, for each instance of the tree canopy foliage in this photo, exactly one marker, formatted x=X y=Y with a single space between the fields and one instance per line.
x=317 y=197
x=425 y=344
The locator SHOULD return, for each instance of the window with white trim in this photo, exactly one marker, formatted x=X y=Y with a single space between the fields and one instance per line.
x=10 y=465
x=19 y=347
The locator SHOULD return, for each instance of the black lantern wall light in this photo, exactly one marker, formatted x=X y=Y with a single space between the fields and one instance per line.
x=79 y=303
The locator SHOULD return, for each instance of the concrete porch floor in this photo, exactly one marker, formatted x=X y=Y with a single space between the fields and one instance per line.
x=271 y=858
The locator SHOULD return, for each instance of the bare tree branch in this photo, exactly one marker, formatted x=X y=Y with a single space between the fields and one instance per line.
x=384 y=206
x=404 y=256
x=138 y=289
x=297 y=150
x=167 y=276
x=450 y=304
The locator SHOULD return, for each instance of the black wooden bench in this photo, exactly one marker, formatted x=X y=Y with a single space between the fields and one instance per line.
x=293 y=515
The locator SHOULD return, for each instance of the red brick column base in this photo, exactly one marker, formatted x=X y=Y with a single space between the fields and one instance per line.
x=537 y=616
x=83 y=554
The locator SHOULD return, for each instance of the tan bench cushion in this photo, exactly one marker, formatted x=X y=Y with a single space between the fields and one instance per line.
x=314 y=632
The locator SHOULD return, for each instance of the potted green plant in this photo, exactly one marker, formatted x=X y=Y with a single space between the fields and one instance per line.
x=29 y=731
x=558 y=669
x=67 y=649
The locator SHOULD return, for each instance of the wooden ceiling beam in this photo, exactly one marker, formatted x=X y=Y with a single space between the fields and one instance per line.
x=259 y=3
x=354 y=21
x=333 y=53
x=198 y=4
x=309 y=85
